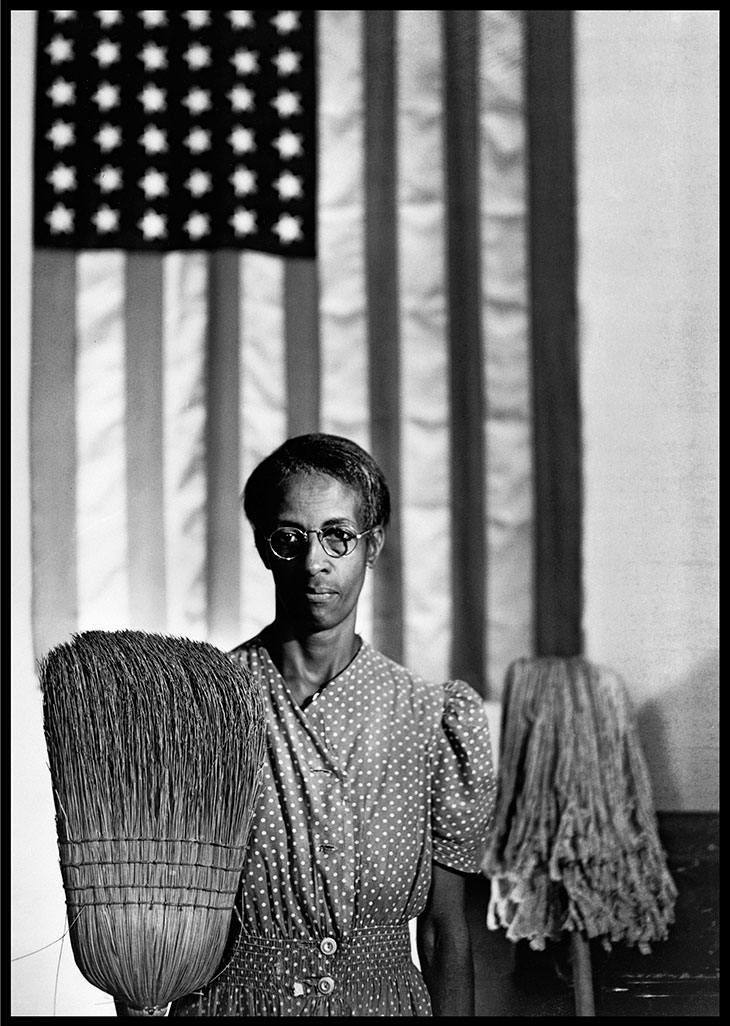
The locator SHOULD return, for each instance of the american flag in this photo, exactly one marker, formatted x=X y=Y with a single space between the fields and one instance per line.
x=251 y=224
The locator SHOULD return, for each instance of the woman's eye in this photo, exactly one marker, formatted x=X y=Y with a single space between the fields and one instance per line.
x=339 y=534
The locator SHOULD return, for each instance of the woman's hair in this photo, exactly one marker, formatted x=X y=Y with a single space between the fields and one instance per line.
x=318 y=453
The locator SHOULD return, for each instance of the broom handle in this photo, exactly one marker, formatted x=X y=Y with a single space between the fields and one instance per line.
x=582 y=974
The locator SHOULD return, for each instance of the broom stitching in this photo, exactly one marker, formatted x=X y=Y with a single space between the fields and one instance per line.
x=155 y=840
x=149 y=887
x=148 y=902
x=149 y=862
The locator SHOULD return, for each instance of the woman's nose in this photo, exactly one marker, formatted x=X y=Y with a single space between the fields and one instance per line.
x=315 y=555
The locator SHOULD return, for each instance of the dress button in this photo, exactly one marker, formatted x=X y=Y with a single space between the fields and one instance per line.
x=328 y=945
x=325 y=985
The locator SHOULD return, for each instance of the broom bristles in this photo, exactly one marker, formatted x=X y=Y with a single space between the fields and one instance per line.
x=156 y=748
x=575 y=843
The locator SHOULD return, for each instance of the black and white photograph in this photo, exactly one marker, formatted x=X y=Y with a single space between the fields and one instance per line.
x=364 y=528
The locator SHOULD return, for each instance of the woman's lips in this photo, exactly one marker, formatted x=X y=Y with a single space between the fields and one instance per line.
x=320 y=594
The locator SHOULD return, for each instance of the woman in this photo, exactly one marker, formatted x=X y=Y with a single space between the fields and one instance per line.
x=378 y=787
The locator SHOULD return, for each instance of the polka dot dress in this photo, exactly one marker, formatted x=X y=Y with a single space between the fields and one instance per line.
x=379 y=775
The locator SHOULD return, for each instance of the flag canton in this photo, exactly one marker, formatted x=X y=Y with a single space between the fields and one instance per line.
x=175 y=130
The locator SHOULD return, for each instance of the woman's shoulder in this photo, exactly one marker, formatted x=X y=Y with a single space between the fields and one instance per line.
x=450 y=693
x=247 y=652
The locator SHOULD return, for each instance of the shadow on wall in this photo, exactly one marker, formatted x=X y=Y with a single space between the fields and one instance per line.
x=680 y=738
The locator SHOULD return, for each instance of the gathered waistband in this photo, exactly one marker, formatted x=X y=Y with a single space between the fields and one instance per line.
x=322 y=964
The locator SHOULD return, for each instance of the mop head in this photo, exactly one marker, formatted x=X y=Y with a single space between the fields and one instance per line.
x=575 y=844
x=155 y=748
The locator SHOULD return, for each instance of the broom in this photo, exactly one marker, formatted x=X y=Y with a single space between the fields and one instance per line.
x=155 y=749
x=575 y=844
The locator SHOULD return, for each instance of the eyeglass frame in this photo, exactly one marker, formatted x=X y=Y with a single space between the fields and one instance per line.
x=300 y=530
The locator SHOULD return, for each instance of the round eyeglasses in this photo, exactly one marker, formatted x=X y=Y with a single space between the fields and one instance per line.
x=290 y=542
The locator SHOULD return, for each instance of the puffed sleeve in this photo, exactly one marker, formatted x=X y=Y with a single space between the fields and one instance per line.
x=464 y=784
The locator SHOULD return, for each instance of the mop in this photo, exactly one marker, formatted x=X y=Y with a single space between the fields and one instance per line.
x=575 y=846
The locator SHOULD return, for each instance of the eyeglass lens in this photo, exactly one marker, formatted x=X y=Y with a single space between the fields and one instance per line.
x=289 y=542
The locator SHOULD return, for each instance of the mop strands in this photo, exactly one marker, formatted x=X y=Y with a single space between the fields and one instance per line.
x=575 y=845
x=155 y=749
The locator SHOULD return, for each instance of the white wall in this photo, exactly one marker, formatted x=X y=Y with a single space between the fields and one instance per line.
x=647 y=131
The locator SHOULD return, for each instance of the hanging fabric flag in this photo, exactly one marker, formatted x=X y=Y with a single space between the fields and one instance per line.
x=252 y=224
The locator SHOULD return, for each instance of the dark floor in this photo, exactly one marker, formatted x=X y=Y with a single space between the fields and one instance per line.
x=680 y=977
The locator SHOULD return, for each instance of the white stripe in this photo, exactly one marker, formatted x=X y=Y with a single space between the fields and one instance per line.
x=184 y=336
x=103 y=594
x=263 y=411
x=341 y=227
x=425 y=509
x=507 y=345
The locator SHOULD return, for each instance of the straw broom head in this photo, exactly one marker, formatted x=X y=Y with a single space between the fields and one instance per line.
x=155 y=748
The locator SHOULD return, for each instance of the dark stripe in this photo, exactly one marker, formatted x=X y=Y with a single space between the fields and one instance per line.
x=223 y=450
x=556 y=403
x=53 y=453
x=467 y=411
x=301 y=333
x=145 y=462
x=381 y=269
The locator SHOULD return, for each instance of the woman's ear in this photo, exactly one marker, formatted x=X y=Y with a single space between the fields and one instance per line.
x=375 y=542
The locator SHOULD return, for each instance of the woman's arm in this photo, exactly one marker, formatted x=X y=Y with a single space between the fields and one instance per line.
x=444 y=945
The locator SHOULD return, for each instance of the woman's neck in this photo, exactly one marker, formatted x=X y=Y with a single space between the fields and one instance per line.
x=308 y=662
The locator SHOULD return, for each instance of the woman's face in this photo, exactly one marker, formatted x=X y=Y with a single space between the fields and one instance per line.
x=315 y=591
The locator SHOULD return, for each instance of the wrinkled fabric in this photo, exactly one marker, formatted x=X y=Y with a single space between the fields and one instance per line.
x=381 y=774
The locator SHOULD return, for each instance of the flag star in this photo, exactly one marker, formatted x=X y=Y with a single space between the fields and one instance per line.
x=197 y=56
x=242 y=139
x=109 y=178
x=106 y=52
x=63 y=15
x=106 y=219
x=61 y=134
x=154 y=57
x=197 y=100
x=287 y=62
x=62 y=93
x=286 y=21
x=62 y=178
x=60 y=49
x=109 y=18
x=106 y=96
x=246 y=62
x=154 y=139
x=287 y=103
x=240 y=19
x=108 y=137
x=241 y=98
x=198 y=140
x=154 y=183
x=243 y=221
x=288 y=144
x=198 y=182
x=288 y=228
x=152 y=98
x=197 y=19
x=243 y=181
x=60 y=219
x=288 y=186
x=153 y=225
x=197 y=225
x=153 y=19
